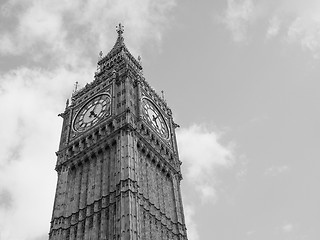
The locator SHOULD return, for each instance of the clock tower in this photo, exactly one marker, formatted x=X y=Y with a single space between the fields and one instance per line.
x=118 y=165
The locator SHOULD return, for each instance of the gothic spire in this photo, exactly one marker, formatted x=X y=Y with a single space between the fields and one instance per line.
x=119 y=46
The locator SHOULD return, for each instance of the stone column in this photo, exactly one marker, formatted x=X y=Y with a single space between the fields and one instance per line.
x=91 y=182
x=105 y=172
x=176 y=198
x=97 y=190
x=138 y=81
x=103 y=225
x=86 y=230
x=95 y=229
x=112 y=168
x=80 y=230
x=69 y=193
x=63 y=189
x=72 y=236
x=84 y=185
x=77 y=189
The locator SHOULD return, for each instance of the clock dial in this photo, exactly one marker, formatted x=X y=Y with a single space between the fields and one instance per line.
x=93 y=111
x=153 y=116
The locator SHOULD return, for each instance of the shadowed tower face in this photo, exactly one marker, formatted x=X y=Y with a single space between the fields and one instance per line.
x=118 y=165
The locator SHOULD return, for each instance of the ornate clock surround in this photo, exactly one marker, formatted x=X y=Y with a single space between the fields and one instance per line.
x=93 y=111
x=82 y=98
x=155 y=118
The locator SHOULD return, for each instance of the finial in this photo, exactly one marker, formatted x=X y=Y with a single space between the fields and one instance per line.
x=67 y=103
x=100 y=54
x=120 y=29
x=75 y=87
x=139 y=59
x=162 y=94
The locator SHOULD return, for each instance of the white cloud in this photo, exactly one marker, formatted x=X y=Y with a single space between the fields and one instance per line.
x=237 y=17
x=276 y=170
x=207 y=192
x=30 y=131
x=274 y=27
x=303 y=24
x=192 y=231
x=287 y=228
x=305 y=32
x=7 y=46
x=202 y=154
x=41 y=23
x=37 y=24
x=249 y=233
x=45 y=28
x=299 y=22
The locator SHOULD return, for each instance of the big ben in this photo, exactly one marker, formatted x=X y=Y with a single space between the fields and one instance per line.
x=118 y=165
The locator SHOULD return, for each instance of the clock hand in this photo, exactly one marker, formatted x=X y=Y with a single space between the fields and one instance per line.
x=95 y=106
x=92 y=113
x=155 y=120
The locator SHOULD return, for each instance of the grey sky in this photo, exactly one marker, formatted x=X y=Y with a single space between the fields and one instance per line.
x=242 y=79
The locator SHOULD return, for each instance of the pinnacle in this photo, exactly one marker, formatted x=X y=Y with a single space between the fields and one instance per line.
x=118 y=47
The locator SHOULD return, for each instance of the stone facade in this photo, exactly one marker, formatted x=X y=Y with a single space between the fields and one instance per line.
x=119 y=176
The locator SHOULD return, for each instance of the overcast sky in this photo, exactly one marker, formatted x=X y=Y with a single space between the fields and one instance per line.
x=241 y=76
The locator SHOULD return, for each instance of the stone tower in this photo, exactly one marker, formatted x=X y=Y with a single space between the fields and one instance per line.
x=118 y=165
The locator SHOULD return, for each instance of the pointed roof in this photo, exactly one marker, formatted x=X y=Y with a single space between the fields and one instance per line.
x=118 y=47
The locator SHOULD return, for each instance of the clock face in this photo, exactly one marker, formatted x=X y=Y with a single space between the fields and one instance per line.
x=93 y=111
x=153 y=116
